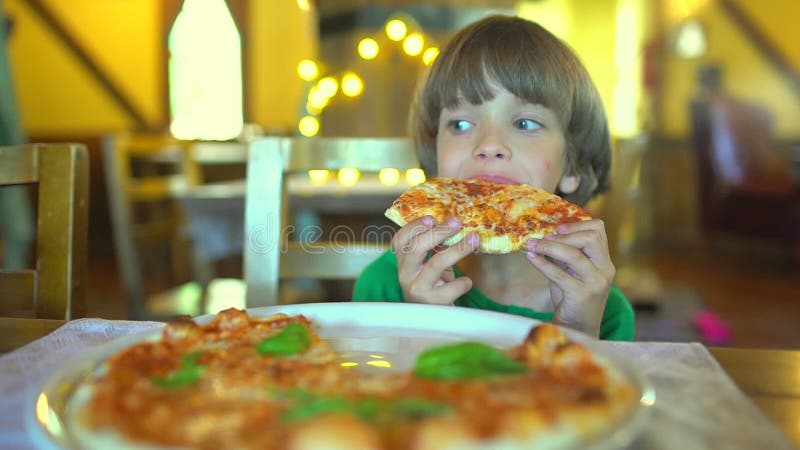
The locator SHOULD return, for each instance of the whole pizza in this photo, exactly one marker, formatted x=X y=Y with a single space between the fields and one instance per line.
x=243 y=382
x=505 y=216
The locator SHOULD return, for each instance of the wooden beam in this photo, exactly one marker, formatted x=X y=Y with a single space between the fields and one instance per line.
x=63 y=35
x=762 y=43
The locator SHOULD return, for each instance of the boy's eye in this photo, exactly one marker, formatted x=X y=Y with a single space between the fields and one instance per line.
x=460 y=125
x=526 y=124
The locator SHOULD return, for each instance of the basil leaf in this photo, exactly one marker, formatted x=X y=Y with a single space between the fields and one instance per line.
x=464 y=361
x=304 y=405
x=316 y=407
x=187 y=375
x=416 y=407
x=293 y=339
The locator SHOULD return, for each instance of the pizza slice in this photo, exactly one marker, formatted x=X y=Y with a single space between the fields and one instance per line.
x=504 y=216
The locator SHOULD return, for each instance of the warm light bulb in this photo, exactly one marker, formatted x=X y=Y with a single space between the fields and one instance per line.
x=396 y=29
x=429 y=55
x=413 y=44
x=319 y=176
x=317 y=99
x=368 y=48
x=307 y=70
x=304 y=5
x=389 y=176
x=314 y=110
x=308 y=126
x=328 y=86
x=348 y=176
x=352 y=84
x=415 y=177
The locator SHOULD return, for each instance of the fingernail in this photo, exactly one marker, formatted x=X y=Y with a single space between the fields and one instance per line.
x=428 y=221
x=550 y=237
x=531 y=255
x=454 y=223
x=473 y=240
x=531 y=244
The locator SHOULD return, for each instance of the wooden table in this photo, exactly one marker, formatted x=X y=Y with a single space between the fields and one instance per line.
x=771 y=378
x=16 y=332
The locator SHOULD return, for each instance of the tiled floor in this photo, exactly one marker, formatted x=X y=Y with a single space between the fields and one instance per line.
x=758 y=298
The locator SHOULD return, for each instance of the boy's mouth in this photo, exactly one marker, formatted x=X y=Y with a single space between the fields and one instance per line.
x=500 y=179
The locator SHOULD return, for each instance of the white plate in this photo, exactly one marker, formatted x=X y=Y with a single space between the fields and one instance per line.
x=365 y=333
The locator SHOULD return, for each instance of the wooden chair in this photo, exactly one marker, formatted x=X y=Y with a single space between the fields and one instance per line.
x=143 y=172
x=268 y=254
x=54 y=291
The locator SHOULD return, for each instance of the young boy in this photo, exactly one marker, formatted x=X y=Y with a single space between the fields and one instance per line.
x=508 y=102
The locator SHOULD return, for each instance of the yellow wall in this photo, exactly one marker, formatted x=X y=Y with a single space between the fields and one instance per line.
x=281 y=34
x=58 y=97
x=778 y=20
x=609 y=47
x=747 y=73
x=56 y=94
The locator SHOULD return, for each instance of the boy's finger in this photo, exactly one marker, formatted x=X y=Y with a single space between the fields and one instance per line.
x=411 y=229
x=590 y=242
x=577 y=262
x=443 y=261
x=553 y=272
x=585 y=225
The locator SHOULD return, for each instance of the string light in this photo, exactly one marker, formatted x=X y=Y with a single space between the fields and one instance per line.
x=389 y=176
x=352 y=84
x=368 y=48
x=348 y=176
x=303 y=5
x=319 y=176
x=308 y=126
x=415 y=177
x=307 y=70
x=413 y=44
x=317 y=98
x=429 y=55
x=396 y=29
x=328 y=86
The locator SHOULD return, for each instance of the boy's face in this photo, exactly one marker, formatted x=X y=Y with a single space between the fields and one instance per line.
x=506 y=140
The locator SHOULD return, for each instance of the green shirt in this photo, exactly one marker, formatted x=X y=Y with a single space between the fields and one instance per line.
x=379 y=283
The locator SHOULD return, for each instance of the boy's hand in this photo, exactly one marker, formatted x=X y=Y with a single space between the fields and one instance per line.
x=432 y=281
x=580 y=271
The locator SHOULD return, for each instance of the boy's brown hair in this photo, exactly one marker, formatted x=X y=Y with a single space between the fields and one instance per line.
x=532 y=64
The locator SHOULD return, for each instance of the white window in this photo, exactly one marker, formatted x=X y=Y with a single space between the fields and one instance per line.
x=205 y=72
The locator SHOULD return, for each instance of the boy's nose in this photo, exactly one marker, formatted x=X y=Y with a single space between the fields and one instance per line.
x=492 y=151
x=491 y=145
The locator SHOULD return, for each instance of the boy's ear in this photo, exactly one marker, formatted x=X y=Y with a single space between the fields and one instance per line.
x=569 y=183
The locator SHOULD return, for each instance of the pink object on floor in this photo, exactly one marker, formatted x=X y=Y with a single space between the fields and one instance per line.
x=713 y=330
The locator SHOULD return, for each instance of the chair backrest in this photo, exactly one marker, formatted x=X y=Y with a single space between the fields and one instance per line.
x=142 y=173
x=56 y=288
x=268 y=256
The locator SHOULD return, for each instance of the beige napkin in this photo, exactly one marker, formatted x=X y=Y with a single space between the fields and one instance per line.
x=25 y=369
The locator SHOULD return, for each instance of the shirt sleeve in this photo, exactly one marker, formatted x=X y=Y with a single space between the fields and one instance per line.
x=618 y=319
x=379 y=282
